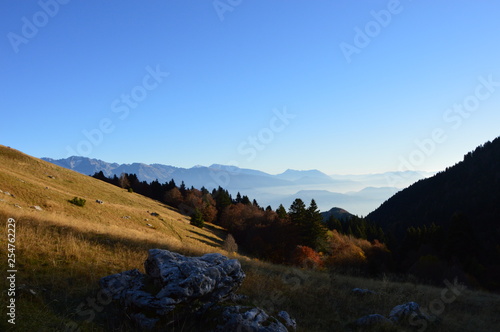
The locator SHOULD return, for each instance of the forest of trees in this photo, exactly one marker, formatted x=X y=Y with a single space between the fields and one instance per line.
x=439 y=228
x=297 y=235
x=448 y=225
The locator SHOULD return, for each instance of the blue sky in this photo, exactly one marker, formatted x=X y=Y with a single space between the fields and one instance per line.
x=338 y=86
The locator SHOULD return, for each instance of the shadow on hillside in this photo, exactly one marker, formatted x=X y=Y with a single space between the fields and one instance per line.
x=69 y=295
x=214 y=242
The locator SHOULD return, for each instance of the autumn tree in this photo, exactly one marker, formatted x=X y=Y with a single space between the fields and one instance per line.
x=229 y=244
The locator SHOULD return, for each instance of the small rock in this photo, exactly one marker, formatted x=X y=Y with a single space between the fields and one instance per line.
x=99 y=201
x=52 y=176
x=18 y=206
x=406 y=311
x=237 y=318
x=289 y=322
x=154 y=214
x=7 y=193
x=36 y=207
x=126 y=217
x=149 y=225
x=362 y=291
x=371 y=320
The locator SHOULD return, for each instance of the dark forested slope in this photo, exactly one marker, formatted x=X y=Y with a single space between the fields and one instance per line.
x=471 y=187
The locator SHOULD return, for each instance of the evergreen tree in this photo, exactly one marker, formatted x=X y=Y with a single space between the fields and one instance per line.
x=183 y=189
x=197 y=219
x=245 y=200
x=297 y=212
x=281 y=212
x=314 y=228
x=334 y=224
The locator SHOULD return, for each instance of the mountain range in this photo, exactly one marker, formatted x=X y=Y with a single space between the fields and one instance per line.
x=360 y=194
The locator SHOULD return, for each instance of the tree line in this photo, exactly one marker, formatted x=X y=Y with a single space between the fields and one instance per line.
x=298 y=235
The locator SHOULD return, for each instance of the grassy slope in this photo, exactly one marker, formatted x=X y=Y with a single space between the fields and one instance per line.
x=63 y=250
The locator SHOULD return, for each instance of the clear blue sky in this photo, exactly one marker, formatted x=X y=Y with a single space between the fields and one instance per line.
x=355 y=84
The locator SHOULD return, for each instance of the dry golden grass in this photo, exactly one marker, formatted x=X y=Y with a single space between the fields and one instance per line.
x=63 y=251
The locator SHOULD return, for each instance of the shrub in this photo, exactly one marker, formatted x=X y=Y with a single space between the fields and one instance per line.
x=230 y=244
x=197 y=219
x=306 y=257
x=78 y=201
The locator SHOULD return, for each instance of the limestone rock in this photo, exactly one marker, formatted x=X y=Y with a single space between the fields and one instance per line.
x=362 y=291
x=371 y=320
x=212 y=277
x=194 y=287
x=287 y=320
x=238 y=318
x=406 y=311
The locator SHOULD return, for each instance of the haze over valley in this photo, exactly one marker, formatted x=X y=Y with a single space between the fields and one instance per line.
x=358 y=194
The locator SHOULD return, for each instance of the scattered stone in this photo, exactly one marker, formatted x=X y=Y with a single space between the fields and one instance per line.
x=46 y=187
x=1 y=192
x=36 y=207
x=99 y=201
x=406 y=311
x=371 y=320
x=7 y=193
x=154 y=214
x=126 y=217
x=52 y=176
x=194 y=287
x=149 y=225
x=146 y=219
x=18 y=206
x=287 y=320
x=362 y=291
x=237 y=318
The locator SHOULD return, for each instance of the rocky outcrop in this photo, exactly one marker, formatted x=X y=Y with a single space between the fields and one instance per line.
x=406 y=311
x=202 y=288
x=401 y=314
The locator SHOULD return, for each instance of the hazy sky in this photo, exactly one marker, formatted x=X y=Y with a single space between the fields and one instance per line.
x=339 y=86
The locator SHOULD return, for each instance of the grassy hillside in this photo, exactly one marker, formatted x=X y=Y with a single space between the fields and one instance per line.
x=63 y=250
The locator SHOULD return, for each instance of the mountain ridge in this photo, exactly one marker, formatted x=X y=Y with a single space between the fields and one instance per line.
x=268 y=189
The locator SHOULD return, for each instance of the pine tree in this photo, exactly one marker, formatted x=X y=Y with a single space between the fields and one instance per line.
x=297 y=212
x=281 y=212
x=315 y=228
x=197 y=219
